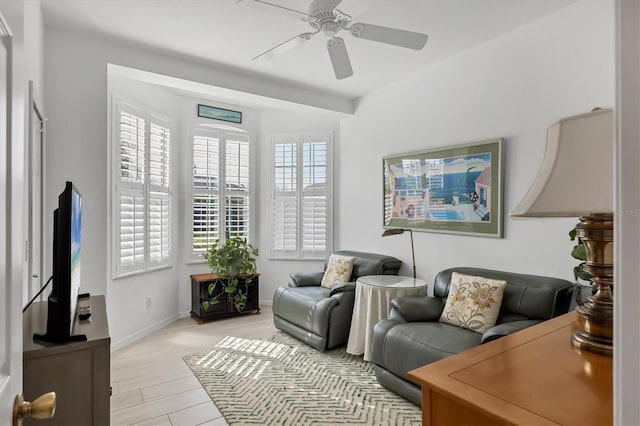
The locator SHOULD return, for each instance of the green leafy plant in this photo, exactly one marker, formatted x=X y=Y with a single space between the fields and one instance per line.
x=579 y=252
x=234 y=263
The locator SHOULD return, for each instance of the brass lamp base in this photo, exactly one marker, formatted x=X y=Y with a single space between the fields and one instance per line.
x=596 y=232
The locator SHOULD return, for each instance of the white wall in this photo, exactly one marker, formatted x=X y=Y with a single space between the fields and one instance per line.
x=130 y=316
x=513 y=87
x=34 y=44
x=76 y=101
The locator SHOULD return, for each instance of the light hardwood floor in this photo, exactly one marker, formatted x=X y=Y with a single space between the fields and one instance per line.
x=153 y=386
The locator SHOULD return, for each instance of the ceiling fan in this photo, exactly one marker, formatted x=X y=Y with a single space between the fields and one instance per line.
x=324 y=17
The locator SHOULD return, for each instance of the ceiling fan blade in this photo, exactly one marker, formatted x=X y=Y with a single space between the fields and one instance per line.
x=285 y=46
x=339 y=58
x=291 y=12
x=394 y=36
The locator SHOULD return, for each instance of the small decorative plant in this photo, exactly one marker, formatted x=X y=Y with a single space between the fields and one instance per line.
x=234 y=262
x=579 y=252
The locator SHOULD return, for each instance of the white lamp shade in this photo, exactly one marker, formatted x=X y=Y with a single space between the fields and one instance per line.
x=576 y=177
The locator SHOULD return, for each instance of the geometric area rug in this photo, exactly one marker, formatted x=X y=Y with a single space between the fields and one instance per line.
x=282 y=381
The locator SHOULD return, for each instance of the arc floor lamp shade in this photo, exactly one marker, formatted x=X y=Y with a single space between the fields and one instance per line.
x=576 y=180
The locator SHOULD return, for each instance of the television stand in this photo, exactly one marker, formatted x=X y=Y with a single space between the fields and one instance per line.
x=77 y=371
x=54 y=339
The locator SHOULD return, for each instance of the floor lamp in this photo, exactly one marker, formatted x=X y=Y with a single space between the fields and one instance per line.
x=397 y=231
x=576 y=180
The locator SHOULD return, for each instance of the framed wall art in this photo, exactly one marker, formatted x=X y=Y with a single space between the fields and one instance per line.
x=455 y=190
x=216 y=113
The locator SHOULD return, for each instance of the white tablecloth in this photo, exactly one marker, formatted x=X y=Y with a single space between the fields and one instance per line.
x=372 y=304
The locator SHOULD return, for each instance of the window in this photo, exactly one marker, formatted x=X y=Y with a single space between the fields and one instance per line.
x=142 y=200
x=220 y=188
x=300 y=195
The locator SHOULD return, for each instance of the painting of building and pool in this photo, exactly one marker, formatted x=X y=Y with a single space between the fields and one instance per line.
x=440 y=189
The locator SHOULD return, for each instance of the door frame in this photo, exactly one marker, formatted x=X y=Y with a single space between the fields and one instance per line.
x=36 y=112
x=12 y=250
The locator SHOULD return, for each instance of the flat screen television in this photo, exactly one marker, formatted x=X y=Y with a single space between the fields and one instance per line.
x=67 y=253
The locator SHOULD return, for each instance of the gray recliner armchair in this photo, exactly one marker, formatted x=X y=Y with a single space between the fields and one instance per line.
x=321 y=317
x=413 y=337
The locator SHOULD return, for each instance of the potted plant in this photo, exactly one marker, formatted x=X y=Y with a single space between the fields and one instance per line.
x=234 y=262
x=579 y=252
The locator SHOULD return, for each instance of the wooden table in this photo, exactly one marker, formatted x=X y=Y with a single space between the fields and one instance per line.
x=225 y=307
x=78 y=372
x=533 y=377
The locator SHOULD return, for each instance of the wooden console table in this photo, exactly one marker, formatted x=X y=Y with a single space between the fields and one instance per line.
x=199 y=293
x=78 y=372
x=533 y=377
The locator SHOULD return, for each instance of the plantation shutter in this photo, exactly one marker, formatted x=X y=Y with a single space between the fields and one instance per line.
x=206 y=190
x=222 y=187
x=159 y=192
x=142 y=198
x=237 y=187
x=159 y=237
x=132 y=229
x=284 y=205
x=314 y=199
x=132 y=147
x=131 y=197
x=300 y=197
x=159 y=155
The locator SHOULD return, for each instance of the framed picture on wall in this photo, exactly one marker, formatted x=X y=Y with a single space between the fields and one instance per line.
x=216 y=113
x=456 y=190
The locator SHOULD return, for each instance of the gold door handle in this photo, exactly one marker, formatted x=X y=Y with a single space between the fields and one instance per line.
x=42 y=408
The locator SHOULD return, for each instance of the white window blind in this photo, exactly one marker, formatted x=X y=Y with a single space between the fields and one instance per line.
x=132 y=147
x=142 y=192
x=132 y=228
x=159 y=225
x=300 y=188
x=221 y=190
x=159 y=192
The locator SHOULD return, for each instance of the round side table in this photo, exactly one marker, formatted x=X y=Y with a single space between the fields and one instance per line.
x=372 y=300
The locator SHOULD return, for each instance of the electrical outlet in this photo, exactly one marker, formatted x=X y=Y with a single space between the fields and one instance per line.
x=148 y=302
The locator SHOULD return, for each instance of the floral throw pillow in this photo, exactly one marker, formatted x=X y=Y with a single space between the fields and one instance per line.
x=473 y=302
x=338 y=270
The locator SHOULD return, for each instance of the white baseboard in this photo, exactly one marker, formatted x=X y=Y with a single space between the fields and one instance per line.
x=125 y=341
x=185 y=314
x=266 y=302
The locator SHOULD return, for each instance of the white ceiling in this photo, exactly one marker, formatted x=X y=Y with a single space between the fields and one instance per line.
x=230 y=33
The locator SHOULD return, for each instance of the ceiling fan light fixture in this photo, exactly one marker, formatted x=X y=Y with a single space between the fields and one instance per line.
x=325 y=18
x=330 y=29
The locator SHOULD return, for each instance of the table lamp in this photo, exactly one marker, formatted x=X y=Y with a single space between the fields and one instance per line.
x=576 y=180
x=397 y=231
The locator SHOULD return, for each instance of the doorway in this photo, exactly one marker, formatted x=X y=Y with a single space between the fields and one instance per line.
x=36 y=176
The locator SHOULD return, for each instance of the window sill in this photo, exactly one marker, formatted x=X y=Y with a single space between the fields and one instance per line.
x=298 y=259
x=146 y=271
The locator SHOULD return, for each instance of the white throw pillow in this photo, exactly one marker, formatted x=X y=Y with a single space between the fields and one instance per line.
x=338 y=270
x=473 y=302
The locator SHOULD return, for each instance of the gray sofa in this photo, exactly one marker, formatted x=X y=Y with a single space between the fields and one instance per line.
x=413 y=337
x=321 y=317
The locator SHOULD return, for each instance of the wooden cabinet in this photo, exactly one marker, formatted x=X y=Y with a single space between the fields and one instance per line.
x=533 y=377
x=199 y=293
x=78 y=372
